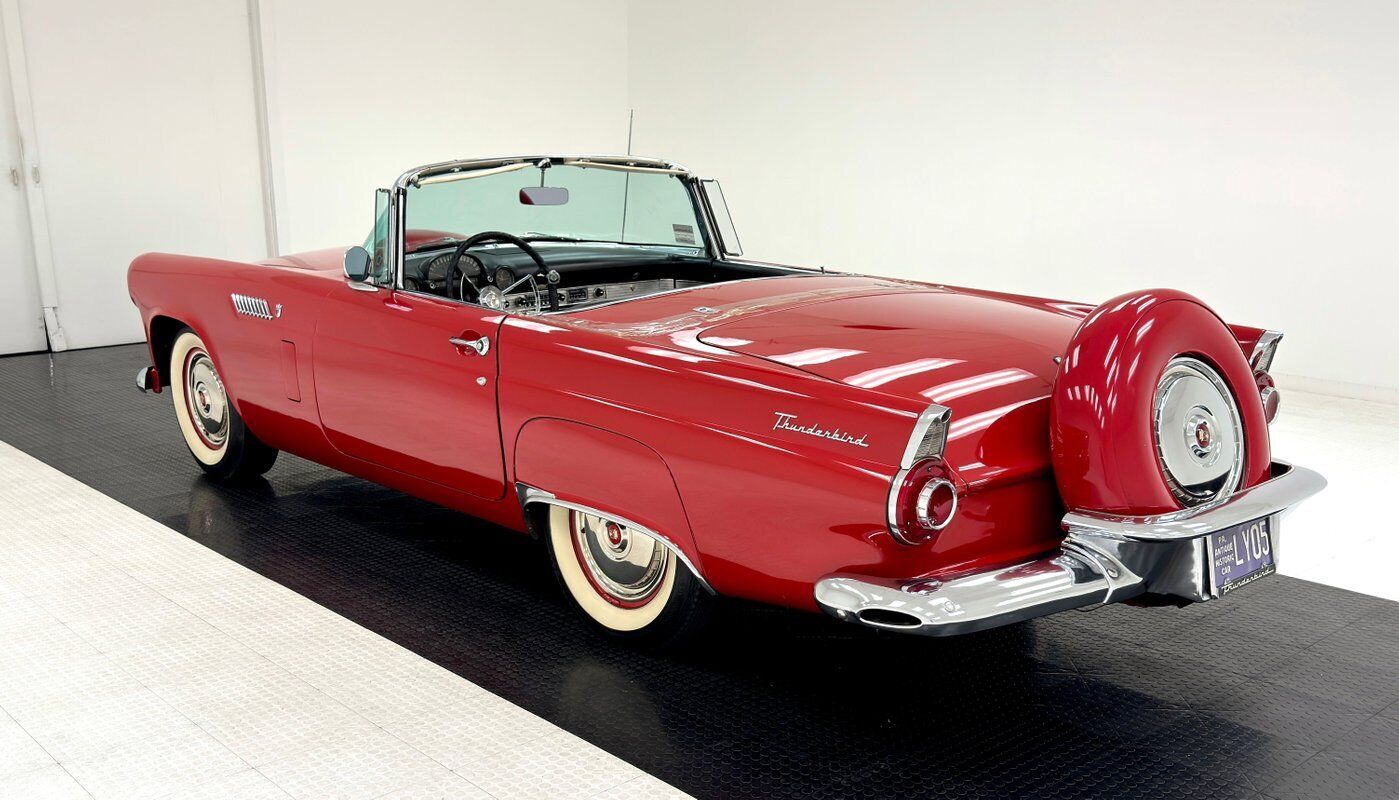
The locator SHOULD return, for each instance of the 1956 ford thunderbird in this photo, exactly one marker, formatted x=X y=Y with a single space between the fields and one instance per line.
x=571 y=346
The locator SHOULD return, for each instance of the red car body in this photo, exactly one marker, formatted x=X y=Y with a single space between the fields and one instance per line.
x=669 y=410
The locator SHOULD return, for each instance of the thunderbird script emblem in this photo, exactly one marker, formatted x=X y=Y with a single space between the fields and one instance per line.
x=788 y=422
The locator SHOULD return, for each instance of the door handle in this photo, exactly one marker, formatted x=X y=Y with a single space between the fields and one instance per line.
x=481 y=346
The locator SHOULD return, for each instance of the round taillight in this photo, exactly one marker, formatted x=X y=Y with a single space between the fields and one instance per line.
x=923 y=502
x=937 y=502
x=1268 y=394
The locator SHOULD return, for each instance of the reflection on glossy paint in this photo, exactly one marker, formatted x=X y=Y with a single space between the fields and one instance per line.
x=815 y=355
x=869 y=379
x=615 y=357
x=753 y=384
x=688 y=339
x=976 y=383
x=661 y=352
x=980 y=422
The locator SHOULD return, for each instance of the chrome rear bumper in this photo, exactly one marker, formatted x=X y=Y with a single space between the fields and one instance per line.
x=1103 y=559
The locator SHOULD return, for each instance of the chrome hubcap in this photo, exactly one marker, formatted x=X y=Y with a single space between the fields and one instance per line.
x=1199 y=436
x=623 y=564
x=206 y=399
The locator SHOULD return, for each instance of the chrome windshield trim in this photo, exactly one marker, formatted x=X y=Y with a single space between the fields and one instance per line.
x=412 y=176
x=1289 y=486
x=530 y=494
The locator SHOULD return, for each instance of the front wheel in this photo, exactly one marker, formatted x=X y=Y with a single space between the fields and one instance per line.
x=623 y=580
x=217 y=438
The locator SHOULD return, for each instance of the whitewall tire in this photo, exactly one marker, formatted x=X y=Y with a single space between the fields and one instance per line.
x=624 y=581
x=212 y=429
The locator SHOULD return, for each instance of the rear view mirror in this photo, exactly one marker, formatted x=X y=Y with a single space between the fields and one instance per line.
x=356 y=263
x=543 y=196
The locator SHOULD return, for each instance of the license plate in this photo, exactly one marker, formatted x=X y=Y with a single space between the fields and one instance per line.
x=1242 y=554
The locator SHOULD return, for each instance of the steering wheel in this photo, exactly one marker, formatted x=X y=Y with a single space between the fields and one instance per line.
x=458 y=283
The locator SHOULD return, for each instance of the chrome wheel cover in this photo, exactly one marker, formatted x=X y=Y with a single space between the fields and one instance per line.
x=1199 y=434
x=624 y=565
x=206 y=399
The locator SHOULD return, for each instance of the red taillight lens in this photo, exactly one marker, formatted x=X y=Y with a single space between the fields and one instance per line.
x=1268 y=393
x=924 y=502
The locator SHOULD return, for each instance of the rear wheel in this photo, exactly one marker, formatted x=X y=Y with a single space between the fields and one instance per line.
x=217 y=438
x=626 y=582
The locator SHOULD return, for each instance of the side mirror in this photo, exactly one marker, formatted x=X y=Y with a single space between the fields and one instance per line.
x=357 y=263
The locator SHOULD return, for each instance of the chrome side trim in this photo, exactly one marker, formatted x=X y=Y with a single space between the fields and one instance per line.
x=1289 y=486
x=530 y=494
x=1261 y=359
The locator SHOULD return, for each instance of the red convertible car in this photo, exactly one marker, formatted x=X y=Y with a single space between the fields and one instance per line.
x=572 y=347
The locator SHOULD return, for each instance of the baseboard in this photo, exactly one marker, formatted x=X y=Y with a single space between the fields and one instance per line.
x=1357 y=391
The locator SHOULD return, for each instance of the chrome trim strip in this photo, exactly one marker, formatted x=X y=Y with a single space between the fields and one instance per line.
x=530 y=494
x=409 y=178
x=1261 y=359
x=1289 y=486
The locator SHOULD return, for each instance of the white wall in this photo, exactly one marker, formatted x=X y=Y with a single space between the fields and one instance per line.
x=21 y=320
x=1246 y=151
x=146 y=120
x=142 y=113
x=360 y=92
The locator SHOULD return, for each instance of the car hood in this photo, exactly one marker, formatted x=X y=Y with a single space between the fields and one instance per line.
x=990 y=358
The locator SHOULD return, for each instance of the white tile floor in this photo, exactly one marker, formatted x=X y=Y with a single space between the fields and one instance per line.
x=1343 y=536
x=137 y=663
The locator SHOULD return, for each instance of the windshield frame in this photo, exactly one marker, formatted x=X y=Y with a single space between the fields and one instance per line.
x=411 y=179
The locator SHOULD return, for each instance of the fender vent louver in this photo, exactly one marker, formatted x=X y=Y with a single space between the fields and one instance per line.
x=251 y=306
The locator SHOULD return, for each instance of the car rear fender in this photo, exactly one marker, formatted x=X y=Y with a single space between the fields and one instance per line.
x=602 y=470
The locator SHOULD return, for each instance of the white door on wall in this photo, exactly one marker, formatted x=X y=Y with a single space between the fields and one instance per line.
x=147 y=140
x=21 y=318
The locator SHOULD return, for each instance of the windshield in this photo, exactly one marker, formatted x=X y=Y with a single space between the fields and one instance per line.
x=604 y=205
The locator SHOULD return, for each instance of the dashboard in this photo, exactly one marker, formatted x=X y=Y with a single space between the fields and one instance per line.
x=595 y=278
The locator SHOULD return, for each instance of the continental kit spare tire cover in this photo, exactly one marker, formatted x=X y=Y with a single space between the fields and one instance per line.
x=1107 y=454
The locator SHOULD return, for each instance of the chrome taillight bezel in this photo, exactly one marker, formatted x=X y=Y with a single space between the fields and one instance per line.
x=922 y=460
x=1261 y=360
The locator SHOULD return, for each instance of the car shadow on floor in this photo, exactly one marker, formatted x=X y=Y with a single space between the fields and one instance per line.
x=769 y=702
x=1289 y=687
